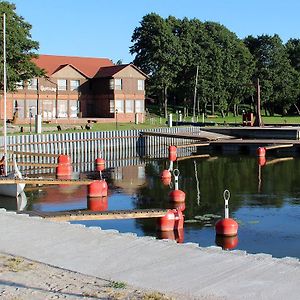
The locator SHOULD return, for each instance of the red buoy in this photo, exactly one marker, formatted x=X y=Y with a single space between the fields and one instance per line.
x=172 y=153
x=261 y=160
x=100 y=164
x=166 y=235
x=64 y=159
x=227 y=242
x=226 y=226
x=167 y=222
x=178 y=205
x=179 y=220
x=177 y=196
x=97 y=204
x=63 y=170
x=97 y=188
x=166 y=177
x=261 y=151
x=179 y=236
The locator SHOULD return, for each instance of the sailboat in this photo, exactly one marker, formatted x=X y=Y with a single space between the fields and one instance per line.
x=8 y=189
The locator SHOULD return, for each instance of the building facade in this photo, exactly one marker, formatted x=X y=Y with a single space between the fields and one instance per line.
x=78 y=88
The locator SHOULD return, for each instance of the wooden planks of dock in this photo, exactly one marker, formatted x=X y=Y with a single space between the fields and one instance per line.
x=99 y=215
x=42 y=181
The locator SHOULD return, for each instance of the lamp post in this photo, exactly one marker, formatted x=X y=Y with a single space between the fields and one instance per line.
x=116 y=119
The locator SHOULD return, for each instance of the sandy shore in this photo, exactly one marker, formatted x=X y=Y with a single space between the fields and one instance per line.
x=24 y=279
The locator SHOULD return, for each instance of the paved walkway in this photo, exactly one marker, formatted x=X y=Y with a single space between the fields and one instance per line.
x=206 y=273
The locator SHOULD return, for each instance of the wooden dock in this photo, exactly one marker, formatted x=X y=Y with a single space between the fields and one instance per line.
x=88 y=215
x=42 y=181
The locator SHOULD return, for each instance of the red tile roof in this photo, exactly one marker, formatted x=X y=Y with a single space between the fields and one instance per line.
x=88 y=66
x=112 y=70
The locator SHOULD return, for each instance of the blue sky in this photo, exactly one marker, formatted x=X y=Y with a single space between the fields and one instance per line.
x=98 y=28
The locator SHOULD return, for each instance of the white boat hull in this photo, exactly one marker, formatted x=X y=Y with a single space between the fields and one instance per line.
x=12 y=190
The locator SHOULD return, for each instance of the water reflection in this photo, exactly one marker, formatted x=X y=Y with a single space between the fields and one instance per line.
x=14 y=204
x=265 y=200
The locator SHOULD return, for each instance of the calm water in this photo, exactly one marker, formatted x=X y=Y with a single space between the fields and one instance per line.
x=265 y=200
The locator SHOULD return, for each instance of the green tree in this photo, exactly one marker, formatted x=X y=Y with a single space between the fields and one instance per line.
x=278 y=79
x=19 y=48
x=156 y=52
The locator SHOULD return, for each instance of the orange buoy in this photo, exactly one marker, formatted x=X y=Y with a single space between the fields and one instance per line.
x=172 y=153
x=226 y=226
x=167 y=222
x=178 y=205
x=177 y=195
x=179 y=220
x=64 y=159
x=227 y=242
x=179 y=235
x=97 y=204
x=64 y=170
x=166 y=177
x=261 y=151
x=261 y=160
x=100 y=164
x=166 y=235
x=97 y=188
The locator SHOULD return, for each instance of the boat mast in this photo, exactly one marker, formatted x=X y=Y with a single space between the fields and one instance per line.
x=4 y=94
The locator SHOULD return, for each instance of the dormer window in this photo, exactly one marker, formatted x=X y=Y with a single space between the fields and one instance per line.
x=32 y=84
x=62 y=84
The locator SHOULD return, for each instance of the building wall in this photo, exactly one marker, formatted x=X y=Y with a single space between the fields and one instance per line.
x=94 y=97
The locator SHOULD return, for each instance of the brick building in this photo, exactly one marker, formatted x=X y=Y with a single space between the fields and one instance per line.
x=79 y=88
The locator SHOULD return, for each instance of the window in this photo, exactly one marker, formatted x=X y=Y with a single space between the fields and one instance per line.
x=74 y=108
x=20 y=85
x=31 y=108
x=112 y=106
x=115 y=84
x=139 y=106
x=62 y=109
x=129 y=106
x=118 y=84
x=32 y=84
x=48 y=109
x=62 y=84
x=120 y=106
x=141 y=85
x=111 y=84
x=19 y=110
x=74 y=84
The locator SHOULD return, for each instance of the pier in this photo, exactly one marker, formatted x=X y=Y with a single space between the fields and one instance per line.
x=99 y=215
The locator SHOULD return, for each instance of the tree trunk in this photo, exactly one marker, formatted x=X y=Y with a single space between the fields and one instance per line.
x=166 y=101
x=213 y=107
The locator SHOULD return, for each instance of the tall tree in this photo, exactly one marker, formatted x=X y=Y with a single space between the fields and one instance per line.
x=272 y=66
x=20 y=48
x=156 y=50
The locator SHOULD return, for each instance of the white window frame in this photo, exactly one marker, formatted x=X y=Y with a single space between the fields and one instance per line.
x=20 y=85
x=74 y=84
x=62 y=84
x=129 y=108
x=119 y=106
x=32 y=84
x=118 y=84
x=139 y=109
x=141 y=85
x=112 y=106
